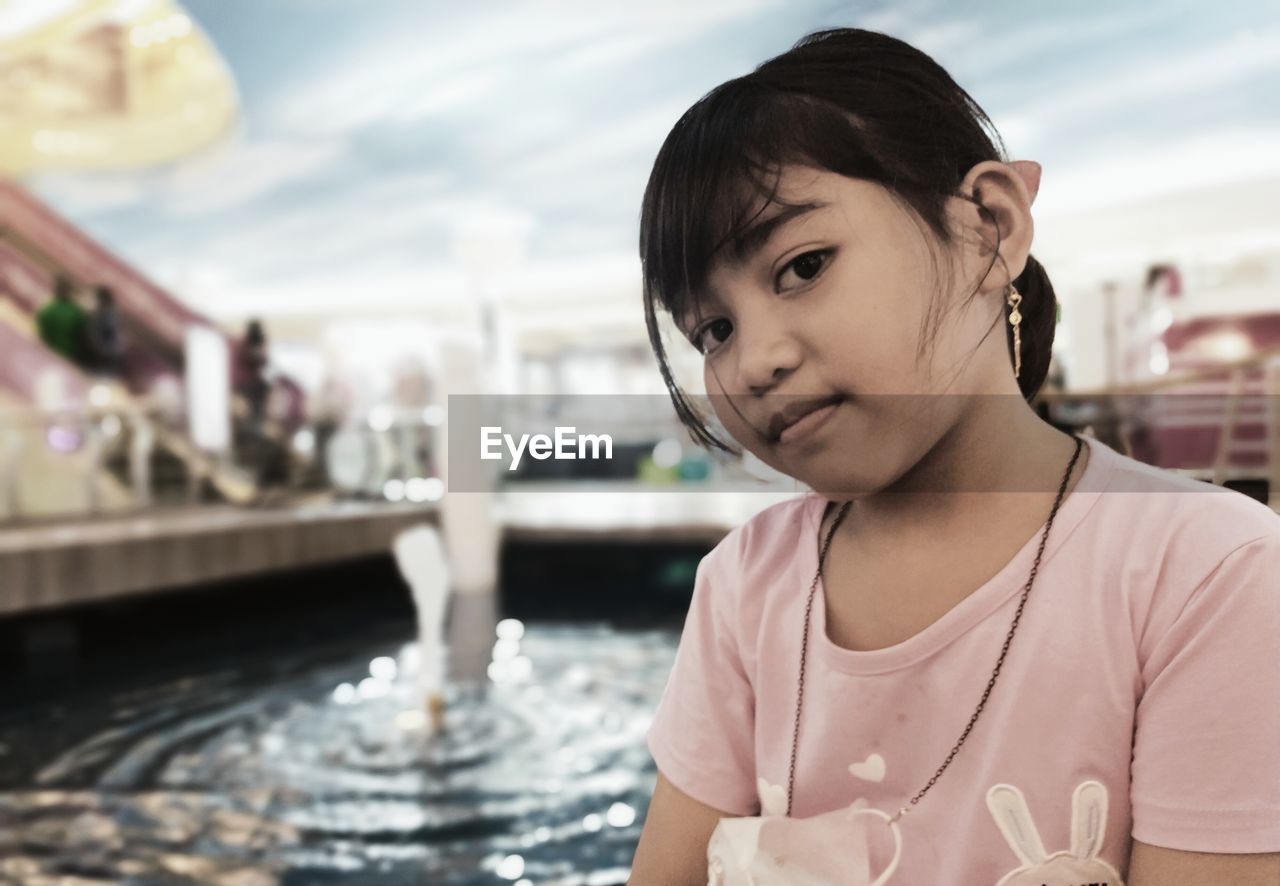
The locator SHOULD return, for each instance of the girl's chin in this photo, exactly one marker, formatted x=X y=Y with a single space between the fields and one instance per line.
x=834 y=482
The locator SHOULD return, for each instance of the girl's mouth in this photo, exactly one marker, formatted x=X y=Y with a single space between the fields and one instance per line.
x=809 y=422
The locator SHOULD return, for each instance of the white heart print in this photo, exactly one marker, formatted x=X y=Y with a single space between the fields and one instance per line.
x=870 y=769
x=773 y=798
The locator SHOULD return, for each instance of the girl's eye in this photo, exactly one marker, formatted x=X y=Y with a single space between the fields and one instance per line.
x=806 y=267
x=699 y=337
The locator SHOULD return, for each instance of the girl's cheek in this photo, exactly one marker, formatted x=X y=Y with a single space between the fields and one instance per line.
x=740 y=431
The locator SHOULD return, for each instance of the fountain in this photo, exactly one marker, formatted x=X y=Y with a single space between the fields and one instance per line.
x=421 y=560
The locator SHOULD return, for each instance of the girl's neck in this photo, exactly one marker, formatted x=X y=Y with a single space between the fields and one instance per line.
x=1001 y=455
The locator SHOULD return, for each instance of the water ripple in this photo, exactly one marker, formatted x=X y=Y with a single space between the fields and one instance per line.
x=327 y=773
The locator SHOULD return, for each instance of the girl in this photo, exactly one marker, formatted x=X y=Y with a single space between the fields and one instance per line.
x=980 y=650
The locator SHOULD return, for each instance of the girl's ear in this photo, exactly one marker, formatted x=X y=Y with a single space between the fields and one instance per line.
x=1002 y=193
x=1030 y=171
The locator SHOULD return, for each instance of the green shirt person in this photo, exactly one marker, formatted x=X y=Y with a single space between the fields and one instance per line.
x=63 y=324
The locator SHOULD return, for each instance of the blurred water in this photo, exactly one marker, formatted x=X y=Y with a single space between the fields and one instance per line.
x=322 y=771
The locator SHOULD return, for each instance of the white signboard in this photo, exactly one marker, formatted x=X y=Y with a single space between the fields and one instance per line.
x=208 y=389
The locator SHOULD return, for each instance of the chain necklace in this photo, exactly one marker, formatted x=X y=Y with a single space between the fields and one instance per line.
x=804 y=648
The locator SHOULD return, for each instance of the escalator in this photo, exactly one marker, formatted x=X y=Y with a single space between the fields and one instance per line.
x=48 y=463
x=36 y=245
x=37 y=383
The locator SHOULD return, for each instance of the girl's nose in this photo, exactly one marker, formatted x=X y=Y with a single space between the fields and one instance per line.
x=767 y=356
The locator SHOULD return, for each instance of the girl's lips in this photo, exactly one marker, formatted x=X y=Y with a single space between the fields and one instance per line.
x=809 y=424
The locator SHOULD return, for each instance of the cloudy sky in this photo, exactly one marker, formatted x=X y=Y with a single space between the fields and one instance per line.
x=379 y=135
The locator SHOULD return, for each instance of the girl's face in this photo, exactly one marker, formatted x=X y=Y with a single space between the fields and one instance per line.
x=834 y=304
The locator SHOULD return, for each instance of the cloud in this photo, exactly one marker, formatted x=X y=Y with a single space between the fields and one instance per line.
x=418 y=68
x=607 y=281
x=412 y=219
x=600 y=147
x=89 y=194
x=381 y=139
x=310 y=293
x=244 y=173
x=1157 y=78
x=1149 y=170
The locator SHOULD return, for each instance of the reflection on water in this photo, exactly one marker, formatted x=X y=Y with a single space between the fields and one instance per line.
x=323 y=772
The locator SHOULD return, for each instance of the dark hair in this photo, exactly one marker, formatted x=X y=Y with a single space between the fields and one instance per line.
x=63 y=286
x=254 y=333
x=1158 y=271
x=850 y=101
x=104 y=295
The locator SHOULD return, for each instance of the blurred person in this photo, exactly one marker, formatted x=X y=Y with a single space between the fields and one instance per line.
x=267 y=457
x=63 y=324
x=842 y=238
x=105 y=342
x=251 y=364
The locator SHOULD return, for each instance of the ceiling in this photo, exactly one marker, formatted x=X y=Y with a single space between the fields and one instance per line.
x=401 y=154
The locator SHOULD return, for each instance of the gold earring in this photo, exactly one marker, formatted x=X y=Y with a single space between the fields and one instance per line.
x=1015 y=318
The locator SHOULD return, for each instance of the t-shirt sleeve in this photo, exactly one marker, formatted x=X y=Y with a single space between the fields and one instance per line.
x=1206 y=757
x=701 y=737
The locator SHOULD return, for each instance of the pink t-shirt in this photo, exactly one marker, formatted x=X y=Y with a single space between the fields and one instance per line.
x=1147 y=660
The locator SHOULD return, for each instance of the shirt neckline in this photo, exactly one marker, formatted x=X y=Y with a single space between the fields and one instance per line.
x=978 y=605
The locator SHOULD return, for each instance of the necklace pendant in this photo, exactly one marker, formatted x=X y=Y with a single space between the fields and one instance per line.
x=901 y=812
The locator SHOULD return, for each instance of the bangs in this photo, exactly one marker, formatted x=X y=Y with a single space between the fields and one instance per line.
x=707 y=188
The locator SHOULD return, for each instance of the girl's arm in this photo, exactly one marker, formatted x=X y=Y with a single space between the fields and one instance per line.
x=1157 y=866
x=1206 y=757
x=702 y=735
x=673 y=844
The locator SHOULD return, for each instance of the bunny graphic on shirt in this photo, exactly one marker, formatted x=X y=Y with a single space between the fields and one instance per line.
x=1079 y=866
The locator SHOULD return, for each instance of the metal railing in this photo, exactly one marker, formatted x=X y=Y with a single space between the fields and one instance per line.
x=1216 y=402
x=87 y=460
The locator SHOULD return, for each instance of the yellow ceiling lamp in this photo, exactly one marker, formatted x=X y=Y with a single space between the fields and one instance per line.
x=106 y=84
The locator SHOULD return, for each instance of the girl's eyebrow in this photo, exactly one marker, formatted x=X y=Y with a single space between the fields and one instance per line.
x=752 y=241
x=748 y=244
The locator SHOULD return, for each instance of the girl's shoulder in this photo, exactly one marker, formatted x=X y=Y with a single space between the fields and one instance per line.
x=771 y=541
x=777 y=522
x=758 y=561
x=1154 y=502
x=1168 y=532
